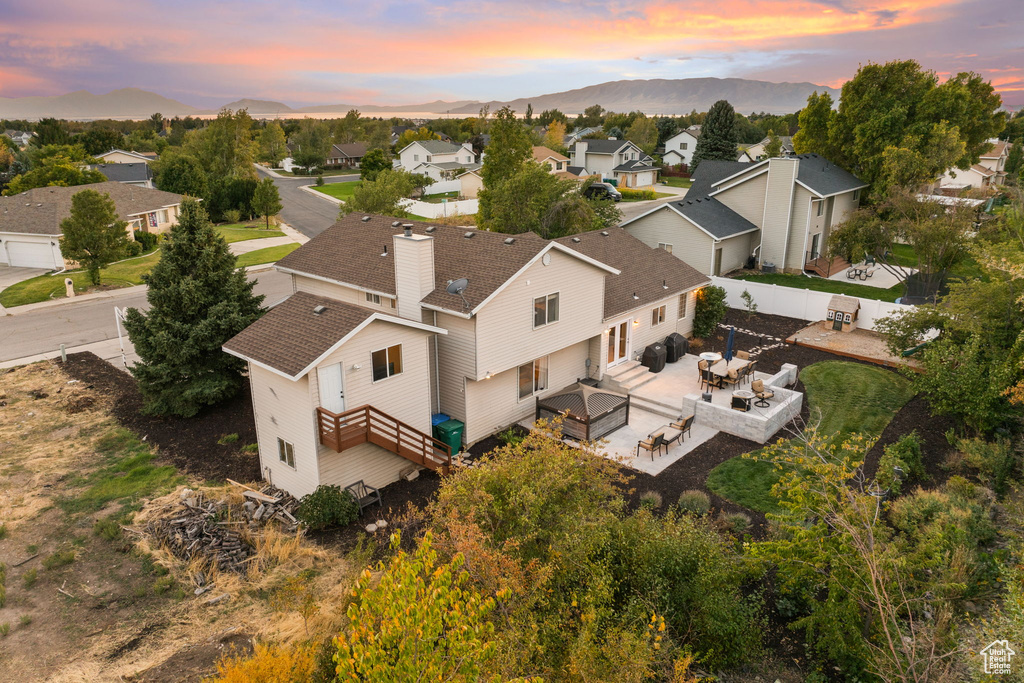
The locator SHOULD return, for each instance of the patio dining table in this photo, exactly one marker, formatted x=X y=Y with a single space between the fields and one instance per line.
x=722 y=369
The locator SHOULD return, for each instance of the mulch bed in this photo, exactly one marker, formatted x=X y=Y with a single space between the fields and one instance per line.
x=935 y=448
x=190 y=444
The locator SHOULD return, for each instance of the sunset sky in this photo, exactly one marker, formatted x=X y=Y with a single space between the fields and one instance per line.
x=206 y=53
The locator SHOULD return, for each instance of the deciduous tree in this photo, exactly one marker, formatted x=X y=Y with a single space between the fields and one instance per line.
x=644 y=134
x=266 y=201
x=273 y=144
x=813 y=134
x=225 y=148
x=179 y=172
x=312 y=143
x=374 y=161
x=93 y=234
x=554 y=137
x=385 y=194
x=773 y=147
x=55 y=170
x=198 y=300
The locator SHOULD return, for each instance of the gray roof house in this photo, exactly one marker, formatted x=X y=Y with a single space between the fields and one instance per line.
x=618 y=160
x=138 y=174
x=437 y=159
x=777 y=212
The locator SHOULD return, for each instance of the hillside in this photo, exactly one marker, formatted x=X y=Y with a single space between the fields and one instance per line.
x=131 y=103
x=259 y=107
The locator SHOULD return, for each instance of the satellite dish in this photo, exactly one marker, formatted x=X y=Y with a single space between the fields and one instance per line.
x=457 y=287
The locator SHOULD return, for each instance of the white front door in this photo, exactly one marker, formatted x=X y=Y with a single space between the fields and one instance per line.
x=332 y=390
x=618 y=343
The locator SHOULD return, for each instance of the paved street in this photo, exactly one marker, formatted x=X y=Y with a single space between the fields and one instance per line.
x=306 y=213
x=85 y=322
x=633 y=209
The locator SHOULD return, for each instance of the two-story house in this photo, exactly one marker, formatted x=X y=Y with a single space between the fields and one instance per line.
x=120 y=156
x=756 y=151
x=437 y=159
x=679 y=148
x=988 y=172
x=778 y=212
x=30 y=229
x=472 y=182
x=138 y=174
x=20 y=137
x=412 y=319
x=618 y=160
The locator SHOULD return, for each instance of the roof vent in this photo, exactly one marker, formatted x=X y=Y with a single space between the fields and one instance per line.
x=575 y=239
x=431 y=229
x=317 y=310
x=469 y=234
x=510 y=240
x=366 y=218
x=385 y=253
x=664 y=284
x=395 y=224
x=635 y=295
x=604 y=233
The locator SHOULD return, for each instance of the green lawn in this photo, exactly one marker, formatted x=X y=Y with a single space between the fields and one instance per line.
x=851 y=397
x=45 y=287
x=267 y=255
x=676 y=182
x=818 y=284
x=342 y=191
x=240 y=232
x=436 y=198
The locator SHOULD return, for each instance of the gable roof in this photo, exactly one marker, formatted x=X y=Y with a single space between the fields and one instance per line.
x=541 y=153
x=710 y=172
x=824 y=178
x=598 y=146
x=39 y=211
x=649 y=274
x=358 y=253
x=138 y=155
x=712 y=216
x=349 y=150
x=291 y=338
x=125 y=173
x=637 y=165
x=845 y=304
x=983 y=171
x=997 y=150
x=435 y=146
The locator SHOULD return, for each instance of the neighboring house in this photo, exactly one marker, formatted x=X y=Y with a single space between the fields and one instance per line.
x=580 y=133
x=679 y=148
x=348 y=155
x=756 y=151
x=988 y=172
x=119 y=156
x=19 y=137
x=373 y=323
x=548 y=157
x=437 y=159
x=472 y=183
x=30 y=222
x=779 y=211
x=138 y=173
x=618 y=160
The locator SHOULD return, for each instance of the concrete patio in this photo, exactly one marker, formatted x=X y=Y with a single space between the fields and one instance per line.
x=881 y=279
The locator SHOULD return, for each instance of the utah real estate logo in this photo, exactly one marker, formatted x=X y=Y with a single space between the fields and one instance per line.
x=997 y=657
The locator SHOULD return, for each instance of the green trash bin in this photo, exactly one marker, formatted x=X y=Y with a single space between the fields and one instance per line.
x=450 y=432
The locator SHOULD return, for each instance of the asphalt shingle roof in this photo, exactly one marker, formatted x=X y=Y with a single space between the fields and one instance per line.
x=636 y=165
x=125 y=173
x=39 y=211
x=359 y=253
x=290 y=335
x=650 y=274
x=598 y=146
x=824 y=177
x=440 y=146
x=349 y=149
x=712 y=215
x=712 y=171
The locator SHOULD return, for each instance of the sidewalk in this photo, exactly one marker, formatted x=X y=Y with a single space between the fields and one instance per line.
x=108 y=349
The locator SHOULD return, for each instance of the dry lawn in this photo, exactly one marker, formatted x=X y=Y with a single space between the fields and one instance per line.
x=87 y=599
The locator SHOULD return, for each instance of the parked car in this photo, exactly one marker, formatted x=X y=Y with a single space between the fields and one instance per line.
x=602 y=191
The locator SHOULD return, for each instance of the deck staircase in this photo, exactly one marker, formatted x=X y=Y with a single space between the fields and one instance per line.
x=627 y=376
x=366 y=424
x=826 y=267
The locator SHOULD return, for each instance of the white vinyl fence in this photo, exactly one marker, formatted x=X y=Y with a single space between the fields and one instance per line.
x=803 y=304
x=465 y=207
x=440 y=187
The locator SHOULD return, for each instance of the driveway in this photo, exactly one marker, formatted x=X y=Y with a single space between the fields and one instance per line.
x=631 y=210
x=10 y=275
x=306 y=213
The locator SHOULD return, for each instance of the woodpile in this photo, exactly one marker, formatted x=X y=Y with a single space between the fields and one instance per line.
x=217 y=533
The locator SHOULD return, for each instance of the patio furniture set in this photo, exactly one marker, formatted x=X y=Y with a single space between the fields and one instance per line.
x=861 y=270
x=664 y=437
x=716 y=375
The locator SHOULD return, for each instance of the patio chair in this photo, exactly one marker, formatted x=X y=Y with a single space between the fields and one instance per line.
x=762 y=393
x=683 y=425
x=732 y=379
x=743 y=355
x=710 y=379
x=364 y=494
x=654 y=442
x=751 y=367
x=702 y=365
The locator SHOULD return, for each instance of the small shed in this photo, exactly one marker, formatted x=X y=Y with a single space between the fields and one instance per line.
x=842 y=312
x=588 y=413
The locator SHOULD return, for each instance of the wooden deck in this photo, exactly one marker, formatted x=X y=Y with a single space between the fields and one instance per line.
x=366 y=424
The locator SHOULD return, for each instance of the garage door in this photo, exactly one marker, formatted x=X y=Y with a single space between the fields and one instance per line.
x=30 y=254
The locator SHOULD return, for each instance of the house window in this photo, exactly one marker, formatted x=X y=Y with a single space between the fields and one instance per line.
x=682 y=145
x=387 y=362
x=847 y=318
x=666 y=246
x=657 y=316
x=856 y=195
x=821 y=207
x=415 y=157
x=428 y=158
x=163 y=216
x=545 y=310
x=558 y=166
x=533 y=377
x=682 y=306
x=373 y=298
x=286 y=452
x=469 y=160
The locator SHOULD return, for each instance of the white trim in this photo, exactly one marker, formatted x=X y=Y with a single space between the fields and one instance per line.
x=834 y=194
x=807 y=233
x=746 y=170
x=258 y=364
x=668 y=296
x=738 y=182
x=667 y=205
x=537 y=257
x=789 y=214
x=33 y=234
x=123 y=151
x=713 y=237
x=321 y=278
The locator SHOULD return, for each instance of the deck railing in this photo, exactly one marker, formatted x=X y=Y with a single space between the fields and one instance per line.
x=366 y=424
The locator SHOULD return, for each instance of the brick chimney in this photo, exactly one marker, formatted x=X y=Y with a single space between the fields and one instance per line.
x=414 y=271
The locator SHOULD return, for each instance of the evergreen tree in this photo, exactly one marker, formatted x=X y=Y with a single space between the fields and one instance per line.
x=1015 y=160
x=198 y=300
x=266 y=201
x=93 y=235
x=717 y=136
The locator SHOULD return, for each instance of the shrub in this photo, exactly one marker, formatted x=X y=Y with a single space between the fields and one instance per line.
x=956 y=517
x=709 y=311
x=650 y=500
x=5 y=628
x=694 y=502
x=510 y=436
x=993 y=461
x=250 y=448
x=736 y=523
x=148 y=240
x=132 y=249
x=59 y=559
x=3 y=531
x=108 y=528
x=905 y=454
x=24 y=620
x=326 y=506
x=637 y=194
x=319 y=180
x=29 y=578
x=232 y=215
x=227 y=438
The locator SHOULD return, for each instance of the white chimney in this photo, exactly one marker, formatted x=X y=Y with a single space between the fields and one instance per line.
x=414 y=271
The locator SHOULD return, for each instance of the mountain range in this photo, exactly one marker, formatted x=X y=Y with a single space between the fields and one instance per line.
x=655 y=96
